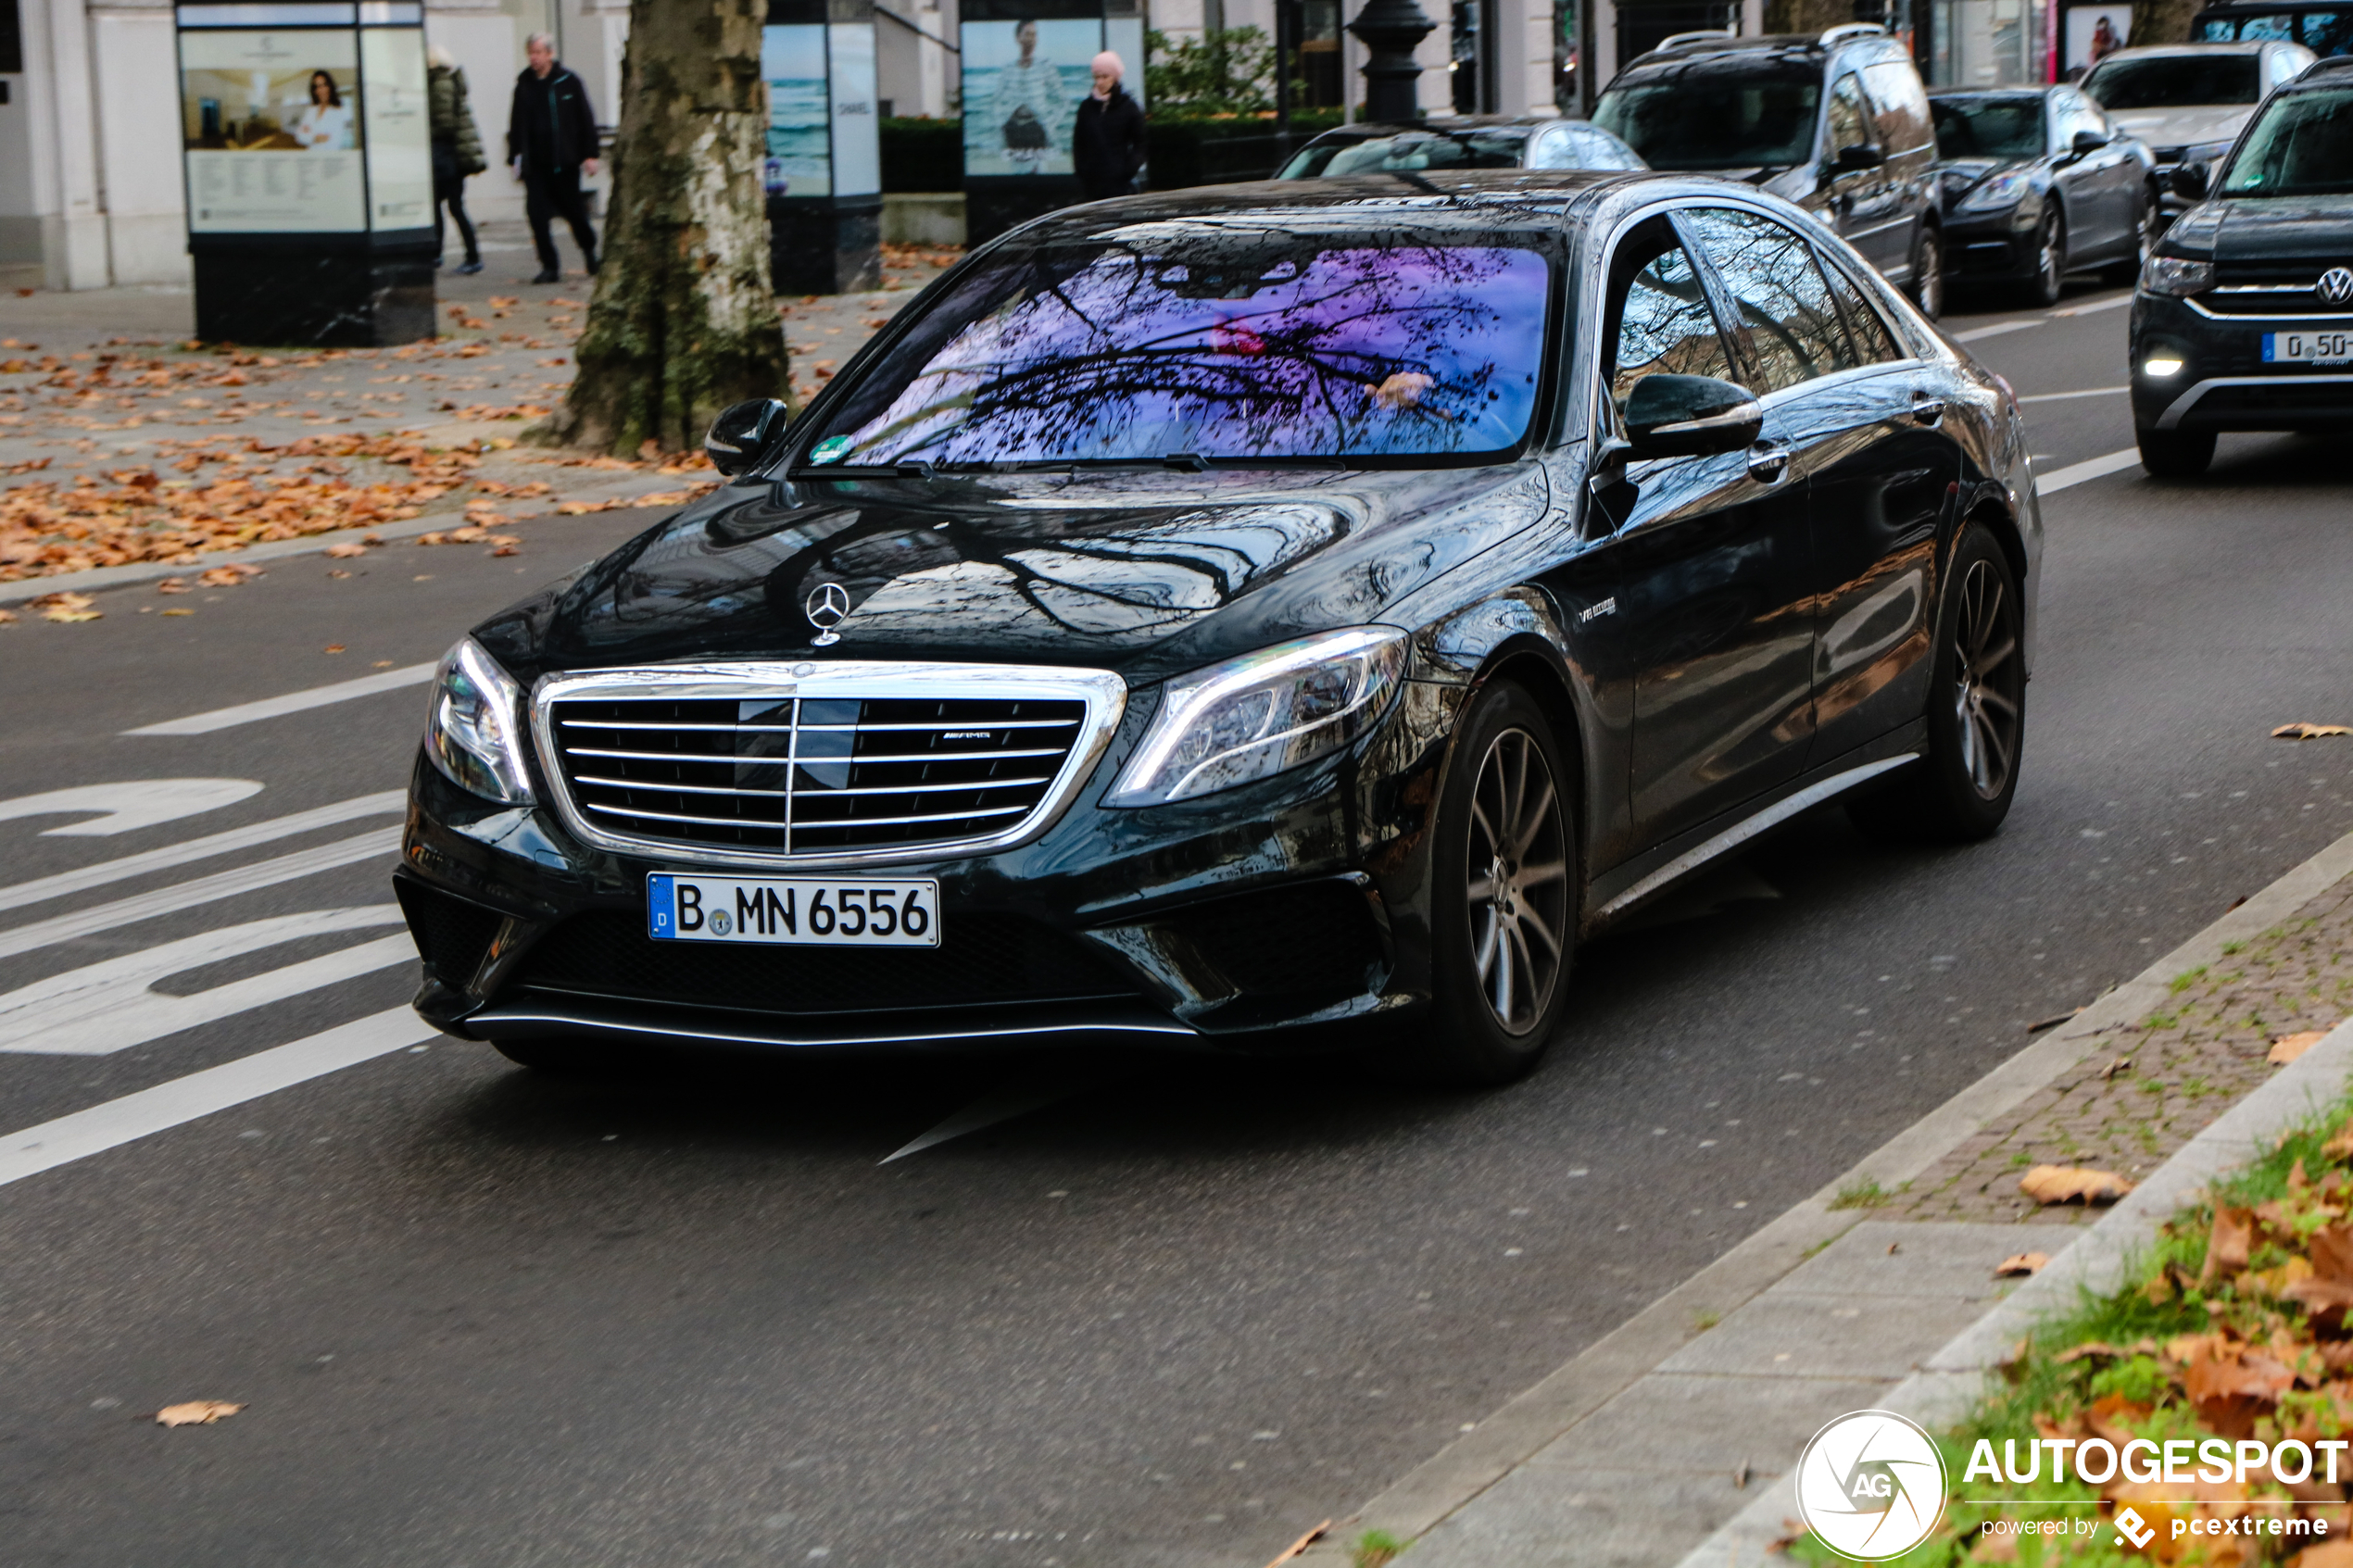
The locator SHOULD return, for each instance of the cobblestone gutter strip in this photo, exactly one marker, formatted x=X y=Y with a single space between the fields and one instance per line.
x=1458 y=1473
x=2152 y=1082
x=2098 y=1262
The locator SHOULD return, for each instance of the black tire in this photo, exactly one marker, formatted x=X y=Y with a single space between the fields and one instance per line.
x=1927 y=287
x=1962 y=786
x=2043 y=289
x=2174 y=453
x=1506 y=885
x=2127 y=269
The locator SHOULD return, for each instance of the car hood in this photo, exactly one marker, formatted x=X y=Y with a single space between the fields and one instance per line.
x=2269 y=227
x=1145 y=574
x=2184 y=127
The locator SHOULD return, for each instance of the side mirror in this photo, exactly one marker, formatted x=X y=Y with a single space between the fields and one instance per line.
x=740 y=435
x=2189 y=181
x=1690 y=416
x=2086 y=143
x=1857 y=156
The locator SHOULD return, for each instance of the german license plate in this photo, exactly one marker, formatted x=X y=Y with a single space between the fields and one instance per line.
x=2308 y=348
x=814 y=911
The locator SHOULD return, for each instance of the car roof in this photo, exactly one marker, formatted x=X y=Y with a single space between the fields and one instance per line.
x=1486 y=122
x=1466 y=200
x=2151 y=51
x=2033 y=90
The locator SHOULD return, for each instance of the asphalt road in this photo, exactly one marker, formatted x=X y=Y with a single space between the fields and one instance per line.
x=1174 y=1313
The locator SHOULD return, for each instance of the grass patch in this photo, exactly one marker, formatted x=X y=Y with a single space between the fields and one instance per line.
x=2186 y=979
x=1374 y=1548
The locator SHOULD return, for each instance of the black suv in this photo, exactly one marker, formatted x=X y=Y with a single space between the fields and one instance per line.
x=1838 y=124
x=1225 y=617
x=2244 y=320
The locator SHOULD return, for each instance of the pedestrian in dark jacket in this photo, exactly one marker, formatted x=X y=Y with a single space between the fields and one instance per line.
x=457 y=148
x=1107 y=144
x=551 y=139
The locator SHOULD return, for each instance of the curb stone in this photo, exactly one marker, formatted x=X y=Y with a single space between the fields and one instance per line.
x=1451 y=1479
x=2097 y=1263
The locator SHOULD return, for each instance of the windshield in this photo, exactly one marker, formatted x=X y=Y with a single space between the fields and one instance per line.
x=2301 y=146
x=1728 y=116
x=2165 y=81
x=2005 y=126
x=1248 y=344
x=1414 y=150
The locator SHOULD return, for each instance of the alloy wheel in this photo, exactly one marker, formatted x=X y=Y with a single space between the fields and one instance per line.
x=1985 y=680
x=1517 y=882
x=1928 y=278
x=2050 y=258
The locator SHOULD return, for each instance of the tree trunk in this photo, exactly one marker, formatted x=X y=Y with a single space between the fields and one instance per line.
x=683 y=322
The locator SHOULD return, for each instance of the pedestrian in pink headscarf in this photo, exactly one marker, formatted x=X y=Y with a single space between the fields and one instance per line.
x=1107 y=144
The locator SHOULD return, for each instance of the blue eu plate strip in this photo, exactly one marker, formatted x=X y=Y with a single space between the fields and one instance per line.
x=662 y=906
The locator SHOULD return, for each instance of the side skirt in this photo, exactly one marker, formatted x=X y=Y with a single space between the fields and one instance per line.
x=1618 y=891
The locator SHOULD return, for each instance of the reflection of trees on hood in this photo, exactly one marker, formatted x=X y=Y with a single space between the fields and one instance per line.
x=1128 y=356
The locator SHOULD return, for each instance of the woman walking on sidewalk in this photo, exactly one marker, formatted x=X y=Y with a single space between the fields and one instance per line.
x=457 y=148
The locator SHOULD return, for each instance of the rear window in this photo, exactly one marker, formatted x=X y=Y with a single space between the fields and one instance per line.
x=1731 y=114
x=2327 y=32
x=1247 y=345
x=1408 y=153
x=2300 y=145
x=2165 y=82
x=2004 y=127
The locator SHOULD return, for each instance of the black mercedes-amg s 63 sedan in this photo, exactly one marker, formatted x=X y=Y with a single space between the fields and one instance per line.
x=1267 y=618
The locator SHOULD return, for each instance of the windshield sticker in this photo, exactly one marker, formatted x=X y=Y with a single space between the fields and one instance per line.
x=832 y=449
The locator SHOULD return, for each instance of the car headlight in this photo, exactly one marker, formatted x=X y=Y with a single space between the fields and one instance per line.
x=1264 y=712
x=2003 y=190
x=474 y=735
x=2175 y=277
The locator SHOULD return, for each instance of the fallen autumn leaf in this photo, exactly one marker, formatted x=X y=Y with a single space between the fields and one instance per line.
x=195 y=1412
x=2063 y=1184
x=2287 y=1048
x=2301 y=731
x=2019 y=1263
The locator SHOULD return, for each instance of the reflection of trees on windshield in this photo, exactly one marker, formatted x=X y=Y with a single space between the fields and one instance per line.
x=1269 y=348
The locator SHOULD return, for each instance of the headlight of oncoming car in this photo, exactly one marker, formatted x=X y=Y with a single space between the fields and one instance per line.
x=1263 y=713
x=2176 y=277
x=474 y=735
x=2003 y=190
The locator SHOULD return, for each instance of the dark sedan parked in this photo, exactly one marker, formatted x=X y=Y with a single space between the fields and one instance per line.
x=2037 y=185
x=1267 y=618
x=2244 y=320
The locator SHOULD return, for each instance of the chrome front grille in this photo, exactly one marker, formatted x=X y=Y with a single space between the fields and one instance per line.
x=852 y=761
x=2276 y=289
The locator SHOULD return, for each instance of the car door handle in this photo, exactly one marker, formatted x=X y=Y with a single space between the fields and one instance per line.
x=1768 y=461
x=1927 y=407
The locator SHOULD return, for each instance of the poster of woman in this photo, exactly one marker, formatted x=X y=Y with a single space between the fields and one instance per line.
x=2091 y=34
x=1022 y=83
x=271 y=125
x=324 y=123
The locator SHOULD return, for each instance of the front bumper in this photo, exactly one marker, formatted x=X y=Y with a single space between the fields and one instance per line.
x=1991 y=247
x=2224 y=383
x=1288 y=915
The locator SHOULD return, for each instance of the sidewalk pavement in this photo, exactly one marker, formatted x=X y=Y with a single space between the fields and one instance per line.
x=102 y=393
x=1670 y=1442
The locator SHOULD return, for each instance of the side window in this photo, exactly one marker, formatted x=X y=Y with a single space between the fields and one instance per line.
x=2222 y=30
x=1784 y=302
x=1849 y=125
x=1658 y=320
x=2327 y=32
x=1874 y=344
x=1899 y=105
x=2266 y=27
x=1553 y=150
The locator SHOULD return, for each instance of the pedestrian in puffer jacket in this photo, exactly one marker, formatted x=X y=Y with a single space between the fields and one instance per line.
x=457 y=148
x=1107 y=142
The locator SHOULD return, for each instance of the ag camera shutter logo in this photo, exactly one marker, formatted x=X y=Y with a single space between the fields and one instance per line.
x=1871 y=1486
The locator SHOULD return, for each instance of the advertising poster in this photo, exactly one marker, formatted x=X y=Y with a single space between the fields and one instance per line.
x=1023 y=82
x=2091 y=34
x=271 y=127
x=857 y=132
x=399 y=130
x=792 y=58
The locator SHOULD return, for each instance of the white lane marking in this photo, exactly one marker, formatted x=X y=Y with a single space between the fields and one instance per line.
x=128 y=806
x=111 y=1005
x=2097 y=305
x=2087 y=391
x=998 y=1104
x=1998 y=328
x=105 y=872
x=203 y=890
x=32 y=1150
x=1975 y=334
x=292 y=702
x=2095 y=468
